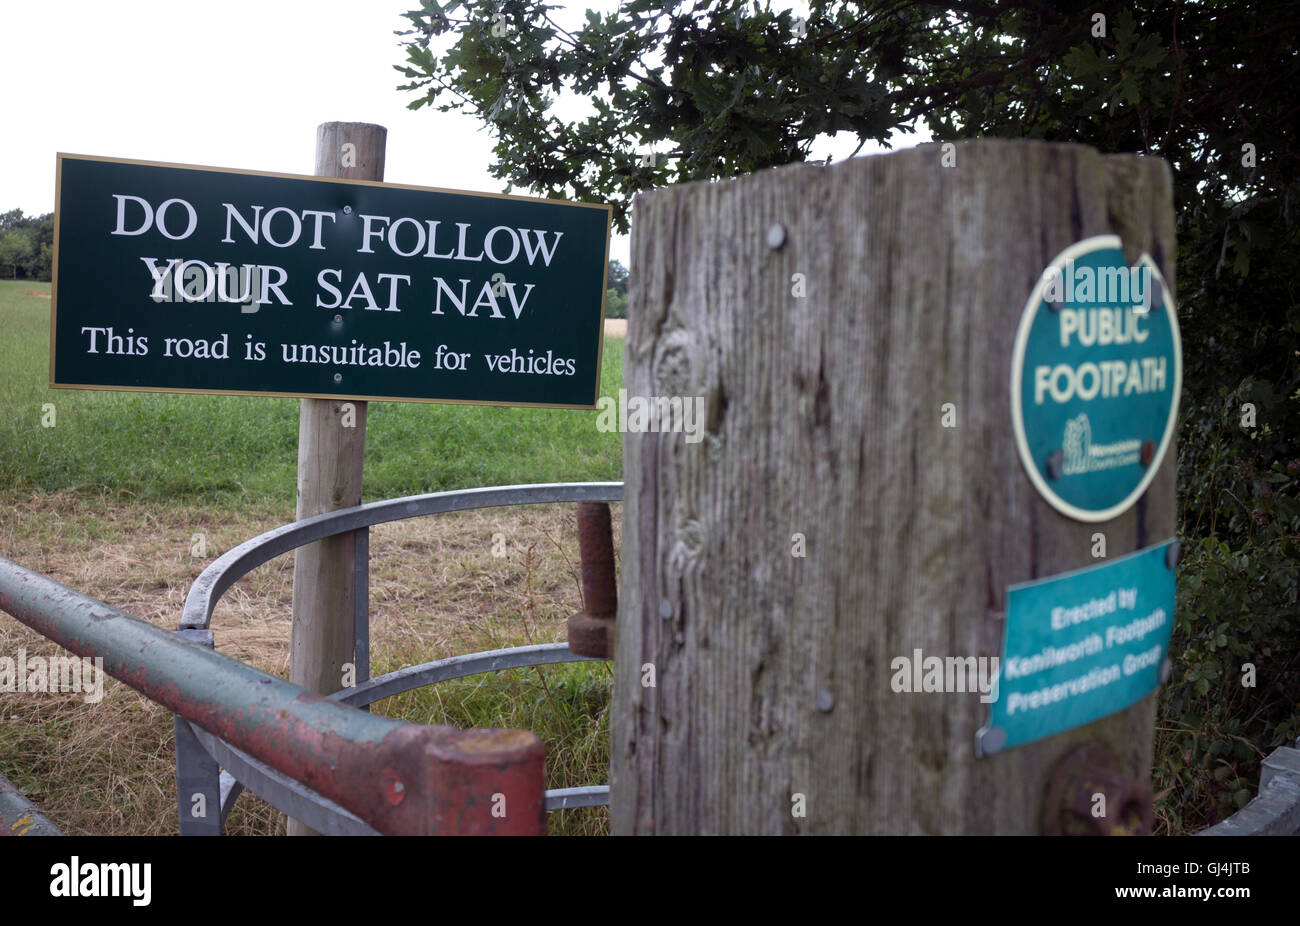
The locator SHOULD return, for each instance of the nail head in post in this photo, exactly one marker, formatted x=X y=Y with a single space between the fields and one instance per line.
x=825 y=700
x=665 y=609
x=1055 y=464
x=1173 y=553
x=776 y=236
x=990 y=741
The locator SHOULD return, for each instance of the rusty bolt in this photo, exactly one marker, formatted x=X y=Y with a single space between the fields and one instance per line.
x=1071 y=805
x=1148 y=452
x=591 y=631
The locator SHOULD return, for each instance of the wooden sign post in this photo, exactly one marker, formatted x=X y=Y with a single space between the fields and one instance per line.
x=331 y=450
x=858 y=507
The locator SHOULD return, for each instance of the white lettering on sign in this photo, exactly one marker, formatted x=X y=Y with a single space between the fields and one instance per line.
x=1101 y=327
x=260 y=227
x=1108 y=378
x=154 y=219
x=407 y=237
x=195 y=280
x=1042 y=697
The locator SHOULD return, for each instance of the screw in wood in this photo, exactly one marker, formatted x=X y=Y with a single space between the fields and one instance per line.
x=1055 y=464
x=825 y=700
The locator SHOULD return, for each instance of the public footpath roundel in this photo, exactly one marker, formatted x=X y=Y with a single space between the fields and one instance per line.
x=1095 y=379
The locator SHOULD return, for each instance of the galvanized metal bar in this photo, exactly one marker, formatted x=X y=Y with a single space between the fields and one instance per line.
x=291 y=797
x=198 y=777
x=361 y=602
x=401 y=778
x=518 y=657
x=568 y=798
x=19 y=816
x=1275 y=810
x=230 y=791
x=239 y=561
x=198 y=784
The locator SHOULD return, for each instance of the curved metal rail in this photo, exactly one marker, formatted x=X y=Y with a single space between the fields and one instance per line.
x=243 y=559
x=201 y=757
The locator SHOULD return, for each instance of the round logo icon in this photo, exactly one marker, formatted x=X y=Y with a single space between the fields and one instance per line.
x=1095 y=379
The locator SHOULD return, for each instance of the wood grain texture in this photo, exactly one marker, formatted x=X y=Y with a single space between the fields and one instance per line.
x=330 y=464
x=824 y=419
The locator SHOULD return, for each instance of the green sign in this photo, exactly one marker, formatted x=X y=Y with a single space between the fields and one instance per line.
x=1095 y=379
x=170 y=278
x=1081 y=646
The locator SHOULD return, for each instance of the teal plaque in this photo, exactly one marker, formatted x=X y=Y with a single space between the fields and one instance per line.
x=1081 y=646
x=170 y=278
x=1095 y=379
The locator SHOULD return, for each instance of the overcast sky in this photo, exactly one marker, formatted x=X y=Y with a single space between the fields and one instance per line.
x=240 y=83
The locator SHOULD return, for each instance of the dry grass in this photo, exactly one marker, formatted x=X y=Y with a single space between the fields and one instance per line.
x=436 y=590
x=36 y=292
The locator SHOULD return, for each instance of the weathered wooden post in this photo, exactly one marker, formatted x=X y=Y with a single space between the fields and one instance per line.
x=331 y=449
x=858 y=494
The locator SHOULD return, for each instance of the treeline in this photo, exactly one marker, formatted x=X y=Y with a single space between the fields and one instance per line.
x=616 y=293
x=26 y=245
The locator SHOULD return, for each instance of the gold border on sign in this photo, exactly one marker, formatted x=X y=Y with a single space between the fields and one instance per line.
x=54 y=282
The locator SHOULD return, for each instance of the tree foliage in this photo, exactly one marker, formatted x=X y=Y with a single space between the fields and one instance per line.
x=27 y=245
x=14 y=247
x=724 y=87
x=616 y=291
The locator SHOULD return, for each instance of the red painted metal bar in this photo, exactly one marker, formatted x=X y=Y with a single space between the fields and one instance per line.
x=401 y=778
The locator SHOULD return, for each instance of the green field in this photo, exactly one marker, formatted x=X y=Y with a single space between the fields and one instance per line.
x=164 y=448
